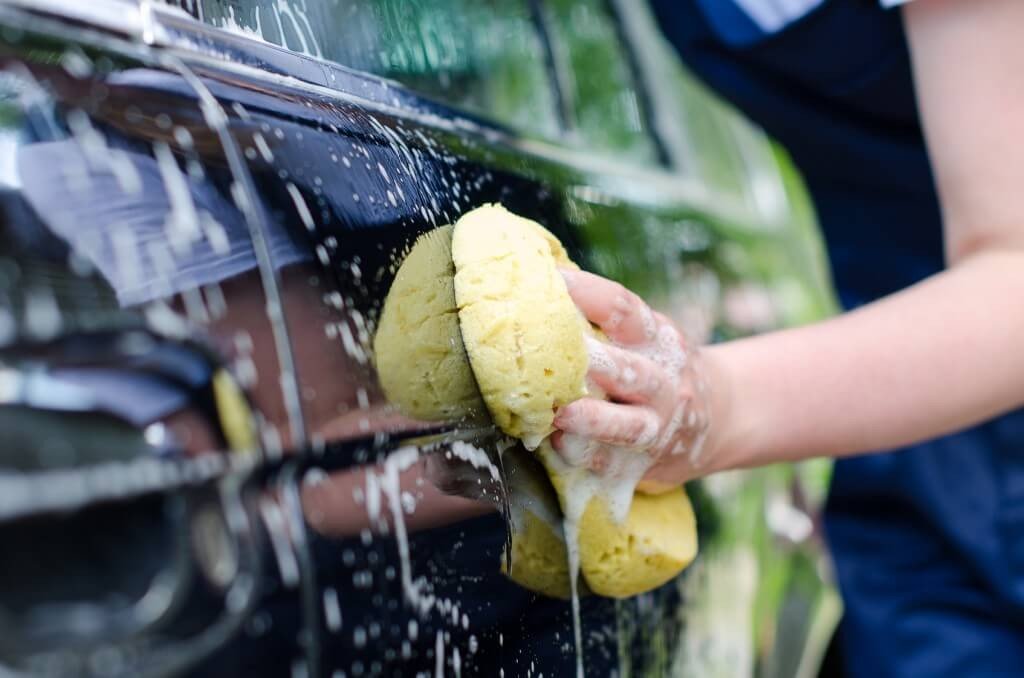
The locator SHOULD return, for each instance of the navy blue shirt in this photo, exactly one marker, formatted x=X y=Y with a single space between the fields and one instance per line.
x=928 y=541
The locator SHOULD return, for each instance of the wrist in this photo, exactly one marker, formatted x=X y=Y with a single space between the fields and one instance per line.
x=719 y=443
x=724 y=442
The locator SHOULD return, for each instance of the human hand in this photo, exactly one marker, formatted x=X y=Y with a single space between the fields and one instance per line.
x=657 y=387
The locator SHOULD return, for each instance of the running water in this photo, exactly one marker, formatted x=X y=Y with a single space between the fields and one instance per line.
x=383 y=493
x=624 y=469
x=577 y=494
x=390 y=484
x=572 y=544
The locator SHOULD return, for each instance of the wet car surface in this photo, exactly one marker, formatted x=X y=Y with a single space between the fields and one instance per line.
x=203 y=206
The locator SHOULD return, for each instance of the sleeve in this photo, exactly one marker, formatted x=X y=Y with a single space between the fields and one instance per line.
x=888 y=4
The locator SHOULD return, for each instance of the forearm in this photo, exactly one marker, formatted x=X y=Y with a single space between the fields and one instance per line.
x=934 y=358
x=947 y=352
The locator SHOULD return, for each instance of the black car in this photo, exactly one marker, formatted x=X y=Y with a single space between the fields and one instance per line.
x=203 y=205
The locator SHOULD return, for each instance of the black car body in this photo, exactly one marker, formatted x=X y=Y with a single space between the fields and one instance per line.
x=199 y=226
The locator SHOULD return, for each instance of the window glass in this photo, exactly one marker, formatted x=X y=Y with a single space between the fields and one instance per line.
x=484 y=56
x=705 y=138
x=605 y=106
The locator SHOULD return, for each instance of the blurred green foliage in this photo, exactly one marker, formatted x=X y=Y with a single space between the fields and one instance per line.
x=601 y=95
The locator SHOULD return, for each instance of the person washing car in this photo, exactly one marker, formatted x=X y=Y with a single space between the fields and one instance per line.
x=908 y=125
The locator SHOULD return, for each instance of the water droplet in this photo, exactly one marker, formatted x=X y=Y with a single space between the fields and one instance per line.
x=332 y=610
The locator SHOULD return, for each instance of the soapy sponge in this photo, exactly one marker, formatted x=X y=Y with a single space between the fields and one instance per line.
x=627 y=542
x=418 y=351
x=655 y=542
x=538 y=558
x=525 y=340
x=481 y=312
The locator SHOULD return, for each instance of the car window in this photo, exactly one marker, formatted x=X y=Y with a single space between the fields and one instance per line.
x=603 y=99
x=704 y=138
x=486 y=57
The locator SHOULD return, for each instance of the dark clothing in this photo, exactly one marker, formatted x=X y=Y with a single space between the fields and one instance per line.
x=928 y=541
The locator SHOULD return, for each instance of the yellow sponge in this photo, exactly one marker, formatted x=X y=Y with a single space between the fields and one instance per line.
x=491 y=285
x=521 y=329
x=525 y=341
x=418 y=351
x=538 y=552
x=657 y=540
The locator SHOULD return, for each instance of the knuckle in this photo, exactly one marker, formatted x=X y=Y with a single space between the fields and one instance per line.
x=617 y=290
x=628 y=302
x=630 y=371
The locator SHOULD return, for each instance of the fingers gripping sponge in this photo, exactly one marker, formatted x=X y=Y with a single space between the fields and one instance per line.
x=524 y=344
x=525 y=341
